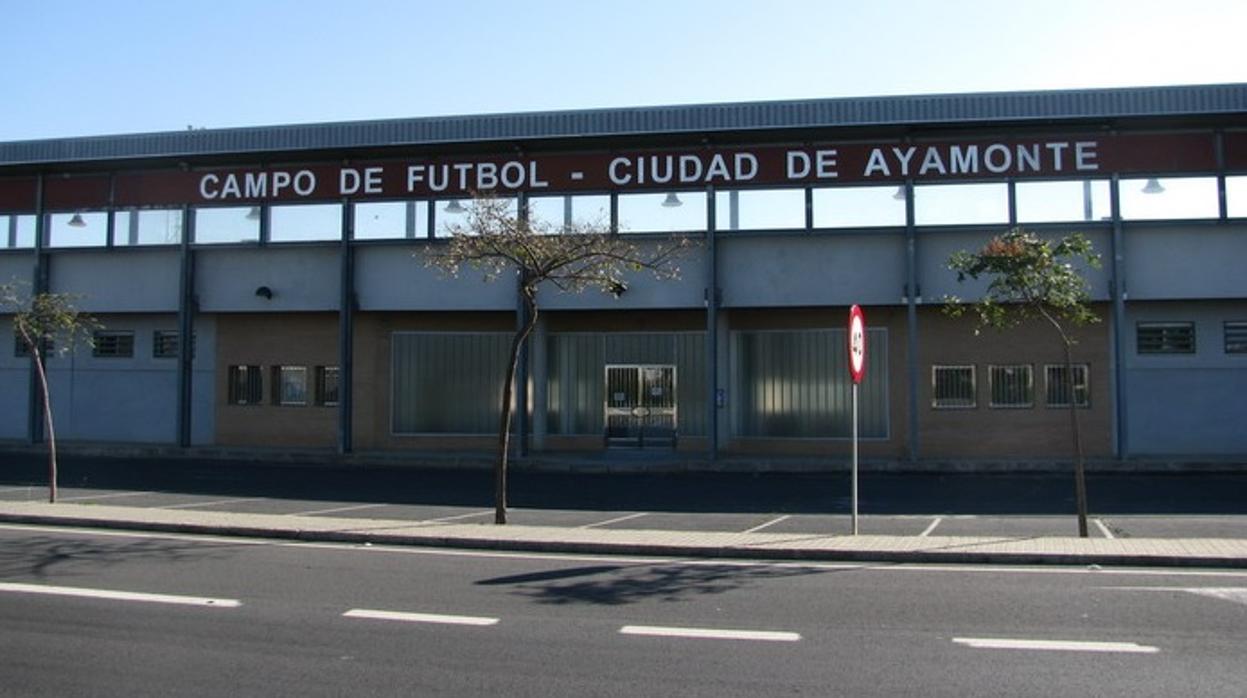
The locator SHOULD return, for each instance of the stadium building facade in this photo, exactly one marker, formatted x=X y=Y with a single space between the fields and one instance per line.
x=290 y=256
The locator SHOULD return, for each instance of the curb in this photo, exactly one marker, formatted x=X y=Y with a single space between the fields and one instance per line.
x=646 y=549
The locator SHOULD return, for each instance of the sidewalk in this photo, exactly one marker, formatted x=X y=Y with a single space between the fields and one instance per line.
x=1191 y=552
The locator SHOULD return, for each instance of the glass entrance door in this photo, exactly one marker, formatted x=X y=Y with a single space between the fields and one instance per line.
x=640 y=406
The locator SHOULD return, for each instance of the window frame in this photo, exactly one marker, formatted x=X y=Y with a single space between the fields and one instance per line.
x=280 y=373
x=936 y=403
x=1238 y=345
x=321 y=377
x=246 y=385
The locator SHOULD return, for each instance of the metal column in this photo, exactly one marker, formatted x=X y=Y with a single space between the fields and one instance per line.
x=912 y=291
x=346 y=332
x=186 y=328
x=1117 y=289
x=39 y=284
x=712 y=329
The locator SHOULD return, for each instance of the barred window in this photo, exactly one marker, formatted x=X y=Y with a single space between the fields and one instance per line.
x=952 y=386
x=1011 y=386
x=166 y=344
x=290 y=385
x=113 y=344
x=22 y=351
x=327 y=385
x=1236 y=337
x=1166 y=337
x=246 y=385
x=1057 y=389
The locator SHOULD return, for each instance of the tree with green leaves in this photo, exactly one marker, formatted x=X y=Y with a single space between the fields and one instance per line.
x=568 y=258
x=1033 y=278
x=45 y=323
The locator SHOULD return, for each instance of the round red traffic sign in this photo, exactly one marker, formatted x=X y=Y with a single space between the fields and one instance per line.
x=857 y=344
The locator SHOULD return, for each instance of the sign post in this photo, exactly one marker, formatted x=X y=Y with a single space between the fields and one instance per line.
x=857 y=368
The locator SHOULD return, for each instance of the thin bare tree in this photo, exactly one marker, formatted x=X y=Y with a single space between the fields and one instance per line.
x=566 y=258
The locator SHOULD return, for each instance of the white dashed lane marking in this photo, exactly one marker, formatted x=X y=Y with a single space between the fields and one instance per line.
x=710 y=633
x=112 y=595
x=997 y=643
x=438 y=618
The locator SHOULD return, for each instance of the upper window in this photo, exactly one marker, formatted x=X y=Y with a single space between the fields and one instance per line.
x=952 y=386
x=1011 y=386
x=227 y=224
x=760 y=209
x=1236 y=337
x=1169 y=198
x=17 y=231
x=381 y=220
x=304 y=222
x=148 y=227
x=77 y=229
x=961 y=204
x=1166 y=337
x=668 y=212
x=1236 y=196
x=22 y=351
x=1071 y=200
x=557 y=213
x=166 y=344
x=859 y=207
x=112 y=344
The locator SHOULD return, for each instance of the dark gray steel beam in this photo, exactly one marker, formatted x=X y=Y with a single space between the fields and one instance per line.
x=346 y=332
x=38 y=284
x=1117 y=289
x=912 y=291
x=712 y=329
x=186 y=331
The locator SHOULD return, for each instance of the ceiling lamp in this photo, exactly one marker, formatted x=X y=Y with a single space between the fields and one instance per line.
x=454 y=207
x=672 y=201
x=900 y=193
x=76 y=221
x=253 y=214
x=1153 y=186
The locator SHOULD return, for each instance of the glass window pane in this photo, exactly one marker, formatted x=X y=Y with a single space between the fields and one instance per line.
x=1073 y=200
x=450 y=213
x=964 y=204
x=1011 y=386
x=391 y=220
x=23 y=234
x=952 y=386
x=148 y=227
x=768 y=209
x=1168 y=198
x=1236 y=196
x=553 y=212
x=668 y=212
x=293 y=385
x=78 y=229
x=305 y=222
x=859 y=207
x=230 y=224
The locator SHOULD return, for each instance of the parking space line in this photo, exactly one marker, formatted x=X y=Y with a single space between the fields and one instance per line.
x=768 y=524
x=614 y=520
x=335 y=510
x=446 y=519
x=993 y=643
x=114 y=495
x=927 y=531
x=18 y=489
x=419 y=617
x=214 y=502
x=710 y=633
x=1103 y=529
x=119 y=595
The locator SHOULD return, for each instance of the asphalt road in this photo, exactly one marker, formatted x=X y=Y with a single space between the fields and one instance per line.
x=256 y=618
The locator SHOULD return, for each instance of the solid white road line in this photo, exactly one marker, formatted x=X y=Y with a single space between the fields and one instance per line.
x=1103 y=529
x=710 y=633
x=927 y=531
x=335 y=510
x=119 y=595
x=615 y=520
x=114 y=495
x=996 y=643
x=419 y=617
x=446 y=519
x=768 y=524
x=214 y=502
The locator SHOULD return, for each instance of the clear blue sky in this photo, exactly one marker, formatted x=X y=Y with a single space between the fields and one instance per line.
x=88 y=67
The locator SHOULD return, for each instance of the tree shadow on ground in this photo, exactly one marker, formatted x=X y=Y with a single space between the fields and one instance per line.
x=44 y=557
x=615 y=585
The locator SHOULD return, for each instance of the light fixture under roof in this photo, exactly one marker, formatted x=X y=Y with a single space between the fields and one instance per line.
x=900 y=193
x=1153 y=186
x=253 y=214
x=454 y=207
x=76 y=221
x=672 y=200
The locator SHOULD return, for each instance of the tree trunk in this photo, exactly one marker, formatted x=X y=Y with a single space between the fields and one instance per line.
x=47 y=421
x=504 y=425
x=1080 y=480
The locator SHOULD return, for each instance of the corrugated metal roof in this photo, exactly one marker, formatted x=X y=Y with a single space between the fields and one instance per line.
x=640 y=121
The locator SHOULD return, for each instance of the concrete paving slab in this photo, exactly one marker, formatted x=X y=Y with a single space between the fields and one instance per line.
x=1177 y=526
x=1013 y=526
x=668 y=521
x=561 y=517
x=841 y=524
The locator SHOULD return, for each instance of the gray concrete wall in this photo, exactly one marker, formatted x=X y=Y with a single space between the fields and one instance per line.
x=1186 y=404
x=129 y=280
x=300 y=277
x=764 y=271
x=1205 y=261
x=14 y=386
x=17 y=266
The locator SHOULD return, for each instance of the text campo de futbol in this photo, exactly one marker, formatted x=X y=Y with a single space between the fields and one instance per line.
x=656 y=170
